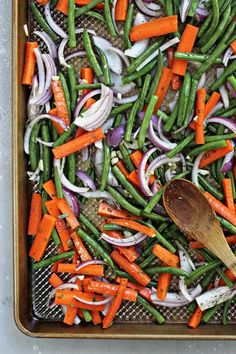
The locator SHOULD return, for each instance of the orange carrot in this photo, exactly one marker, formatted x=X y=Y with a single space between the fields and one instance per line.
x=115 y=305
x=96 y=317
x=163 y=285
x=96 y=270
x=108 y=210
x=231 y=240
x=80 y=131
x=77 y=144
x=61 y=106
x=43 y=2
x=62 y=6
x=69 y=317
x=66 y=297
x=87 y=74
x=131 y=268
x=228 y=193
x=121 y=10
x=133 y=225
x=80 y=248
x=221 y=209
x=110 y=290
x=120 y=164
x=215 y=154
x=186 y=44
x=195 y=318
x=42 y=237
x=35 y=214
x=234 y=172
x=136 y=158
x=64 y=234
x=30 y=60
x=233 y=46
x=200 y=112
x=230 y=275
x=65 y=209
x=133 y=178
x=176 y=81
x=99 y=6
x=154 y=28
x=162 y=87
x=166 y=256
x=50 y=188
x=145 y=292
x=89 y=102
x=53 y=112
x=55 y=281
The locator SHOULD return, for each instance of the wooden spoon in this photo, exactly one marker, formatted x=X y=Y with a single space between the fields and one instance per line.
x=191 y=212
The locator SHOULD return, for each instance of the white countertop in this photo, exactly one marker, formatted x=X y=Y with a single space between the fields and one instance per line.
x=12 y=340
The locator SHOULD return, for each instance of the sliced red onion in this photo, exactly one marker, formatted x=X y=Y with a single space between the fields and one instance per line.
x=45 y=97
x=115 y=136
x=231 y=90
x=184 y=265
x=98 y=163
x=113 y=59
x=45 y=143
x=72 y=201
x=184 y=9
x=172 y=104
x=35 y=121
x=91 y=119
x=113 y=9
x=121 y=54
x=223 y=91
x=104 y=312
x=124 y=242
x=52 y=48
x=153 y=6
x=98 y=195
x=33 y=109
x=41 y=71
x=229 y=161
x=160 y=130
x=125 y=99
x=108 y=124
x=227 y=56
x=78 y=53
x=195 y=169
x=87 y=263
x=142 y=174
x=50 y=69
x=54 y=26
x=82 y=100
x=102 y=302
x=119 y=87
x=140 y=46
x=187 y=256
x=214 y=297
x=168 y=175
x=85 y=153
x=164 y=146
x=202 y=81
x=66 y=183
x=145 y=10
x=33 y=175
x=230 y=124
x=60 y=287
x=86 y=179
x=160 y=161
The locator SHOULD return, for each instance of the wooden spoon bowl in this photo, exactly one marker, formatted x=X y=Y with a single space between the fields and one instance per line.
x=191 y=212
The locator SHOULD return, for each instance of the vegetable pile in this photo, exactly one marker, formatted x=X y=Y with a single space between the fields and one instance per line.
x=162 y=107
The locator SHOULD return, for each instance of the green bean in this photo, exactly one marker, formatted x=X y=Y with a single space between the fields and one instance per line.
x=96 y=246
x=191 y=101
x=66 y=92
x=97 y=85
x=152 y=216
x=87 y=316
x=221 y=46
x=131 y=120
x=158 y=317
x=226 y=310
x=156 y=77
x=219 y=174
x=110 y=227
x=71 y=168
x=146 y=262
x=108 y=18
x=105 y=166
x=202 y=270
x=145 y=90
x=118 y=120
x=225 y=223
x=192 y=306
x=72 y=86
x=163 y=227
x=221 y=111
x=146 y=121
x=96 y=15
x=125 y=156
x=122 y=108
x=41 y=21
x=123 y=202
x=34 y=147
x=171 y=270
x=169 y=8
x=206 y=280
x=105 y=68
x=210 y=188
x=44 y=199
x=48 y=261
x=207 y=147
x=154 y=200
x=171 y=121
x=232 y=81
x=231 y=176
x=200 y=58
x=128 y=186
x=210 y=313
x=54 y=133
x=182 y=145
x=58 y=183
x=90 y=53
x=128 y=24
x=64 y=136
x=146 y=69
x=213 y=138
x=164 y=117
x=193 y=7
x=204 y=26
x=46 y=154
x=183 y=100
x=213 y=26
x=53 y=3
x=84 y=9
x=71 y=24
x=55 y=237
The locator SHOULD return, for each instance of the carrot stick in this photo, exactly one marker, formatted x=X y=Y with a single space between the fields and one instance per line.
x=221 y=209
x=121 y=10
x=42 y=237
x=196 y=317
x=96 y=317
x=233 y=46
x=89 y=102
x=133 y=178
x=231 y=240
x=163 y=285
x=62 y=6
x=78 y=144
x=99 y=6
x=200 y=112
x=55 y=280
x=131 y=268
x=87 y=74
x=53 y=111
x=186 y=44
x=145 y=292
x=43 y=2
x=228 y=193
x=66 y=297
x=61 y=106
x=35 y=214
x=176 y=81
x=115 y=305
x=110 y=290
x=154 y=28
x=230 y=275
x=215 y=154
x=79 y=132
x=80 y=248
x=50 y=188
x=65 y=209
x=30 y=60
x=108 y=210
x=133 y=225
x=166 y=256
x=120 y=164
x=96 y=269
x=64 y=234
x=79 y=283
x=162 y=87
x=69 y=317
x=136 y=158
